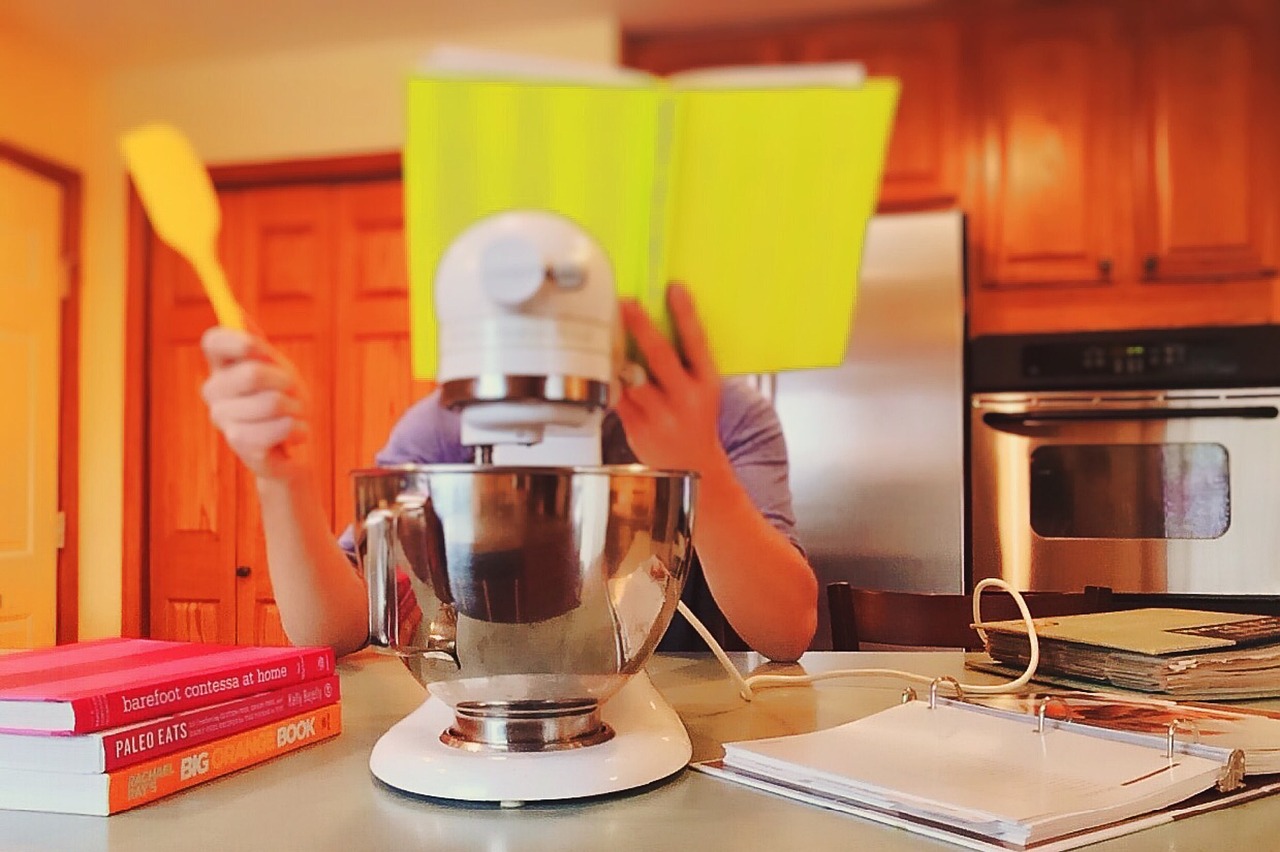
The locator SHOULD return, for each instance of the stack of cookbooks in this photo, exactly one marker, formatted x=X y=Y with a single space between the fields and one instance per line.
x=1180 y=653
x=104 y=726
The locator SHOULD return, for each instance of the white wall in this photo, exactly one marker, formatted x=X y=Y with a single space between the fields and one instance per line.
x=53 y=106
x=341 y=100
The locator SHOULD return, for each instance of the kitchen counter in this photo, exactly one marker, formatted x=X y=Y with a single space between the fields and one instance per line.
x=323 y=798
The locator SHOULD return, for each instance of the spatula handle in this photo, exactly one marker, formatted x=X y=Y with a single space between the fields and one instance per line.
x=225 y=306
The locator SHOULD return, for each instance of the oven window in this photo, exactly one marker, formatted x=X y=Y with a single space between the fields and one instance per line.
x=1161 y=491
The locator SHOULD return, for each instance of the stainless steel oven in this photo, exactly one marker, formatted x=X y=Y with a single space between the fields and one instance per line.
x=1144 y=461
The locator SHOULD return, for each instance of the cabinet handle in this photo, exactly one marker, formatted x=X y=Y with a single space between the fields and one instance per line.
x=1104 y=268
x=243 y=570
x=1150 y=264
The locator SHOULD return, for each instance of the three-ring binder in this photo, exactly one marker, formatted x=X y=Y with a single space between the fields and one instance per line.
x=1233 y=760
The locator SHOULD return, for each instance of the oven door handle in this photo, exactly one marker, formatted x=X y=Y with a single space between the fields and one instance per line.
x=1004 y=420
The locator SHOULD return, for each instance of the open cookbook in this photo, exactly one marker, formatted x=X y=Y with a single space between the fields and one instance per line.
x=999 y=775
x=751 y=186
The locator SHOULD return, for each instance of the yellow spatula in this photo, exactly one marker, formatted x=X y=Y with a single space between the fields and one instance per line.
x=180 y=202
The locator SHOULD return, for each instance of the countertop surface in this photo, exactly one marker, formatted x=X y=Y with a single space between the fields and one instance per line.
x=324 y=798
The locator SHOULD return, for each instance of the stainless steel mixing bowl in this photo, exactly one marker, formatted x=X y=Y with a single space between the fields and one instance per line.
x=520 y=595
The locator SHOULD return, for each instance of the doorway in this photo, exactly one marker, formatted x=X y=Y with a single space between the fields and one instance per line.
x=39 y=433
x=315 y=253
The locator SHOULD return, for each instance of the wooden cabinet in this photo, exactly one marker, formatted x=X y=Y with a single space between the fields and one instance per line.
x=667 y=53
x=1115 y=157
x=321 y=270
x=1206 y=142
x=1051 y=195
x=1169 y=195
x=922 y=170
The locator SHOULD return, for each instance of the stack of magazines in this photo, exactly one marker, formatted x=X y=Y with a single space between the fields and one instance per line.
x=1181 y=653
x=104 y=726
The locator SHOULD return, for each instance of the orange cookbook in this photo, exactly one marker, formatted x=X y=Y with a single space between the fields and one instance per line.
x=110 y=792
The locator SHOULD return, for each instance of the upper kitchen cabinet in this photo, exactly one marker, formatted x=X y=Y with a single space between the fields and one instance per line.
x=1046 y=92
x=1115 y=158
x=1206 y=140
x=667 y=53
x=923 y=167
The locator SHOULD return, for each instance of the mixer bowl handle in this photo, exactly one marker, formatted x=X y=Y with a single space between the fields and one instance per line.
x=379 y=570
x=395 y=619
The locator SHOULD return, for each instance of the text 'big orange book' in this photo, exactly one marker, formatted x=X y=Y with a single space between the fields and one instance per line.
x=112 y=792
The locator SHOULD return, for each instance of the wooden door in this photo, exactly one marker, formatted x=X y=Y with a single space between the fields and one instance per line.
x=287 y=265
x=32 y=283
x=923 y=166
x=1206 y=148
x=373 y=377
x=322 y=272
x=1051 y=82
x=191 y=526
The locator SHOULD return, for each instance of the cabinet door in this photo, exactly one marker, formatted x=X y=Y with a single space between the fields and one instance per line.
x=923 y=166
x=1206 y=175
x=321 y=272
x=191 y=523
x=1049 y=84
x=288 y=253
x=666 y=53
x=373 y=377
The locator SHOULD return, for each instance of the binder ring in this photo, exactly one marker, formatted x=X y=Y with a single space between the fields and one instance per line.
x=938 y=681
x=1171 y=734
x=1044 y=706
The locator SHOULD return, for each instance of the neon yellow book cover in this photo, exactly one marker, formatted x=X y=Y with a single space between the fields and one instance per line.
x=757 y=198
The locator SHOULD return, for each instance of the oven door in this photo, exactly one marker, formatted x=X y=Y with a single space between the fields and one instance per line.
x=1173 y=492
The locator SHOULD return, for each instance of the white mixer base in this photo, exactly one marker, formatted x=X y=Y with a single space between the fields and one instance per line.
x=650 y=743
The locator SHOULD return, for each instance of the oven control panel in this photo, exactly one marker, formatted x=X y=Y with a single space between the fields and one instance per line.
x=1242 y=356
x=1090 y=360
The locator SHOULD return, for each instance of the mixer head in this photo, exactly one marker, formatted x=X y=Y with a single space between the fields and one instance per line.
x=528 y=316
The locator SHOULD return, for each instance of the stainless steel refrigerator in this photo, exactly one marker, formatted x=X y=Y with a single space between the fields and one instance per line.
x=877 y=444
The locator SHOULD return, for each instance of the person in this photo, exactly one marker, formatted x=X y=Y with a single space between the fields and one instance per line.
x=681 y=415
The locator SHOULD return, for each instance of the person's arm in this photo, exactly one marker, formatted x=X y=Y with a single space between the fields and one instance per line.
x=760 y=579
x=256 y=399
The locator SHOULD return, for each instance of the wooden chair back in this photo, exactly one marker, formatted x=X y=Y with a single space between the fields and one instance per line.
x=921 y=620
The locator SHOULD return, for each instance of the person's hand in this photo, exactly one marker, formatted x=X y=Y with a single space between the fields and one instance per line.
x=256 y=400
x=671 y=417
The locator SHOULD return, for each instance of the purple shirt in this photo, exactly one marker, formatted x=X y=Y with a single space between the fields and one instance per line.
x=749 y=432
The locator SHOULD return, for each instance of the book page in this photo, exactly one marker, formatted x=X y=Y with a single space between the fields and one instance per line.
x=840 y=74
x=470 y=63
x=997 y=776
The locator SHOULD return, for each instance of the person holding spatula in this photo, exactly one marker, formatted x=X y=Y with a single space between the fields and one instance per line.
x=754 y=579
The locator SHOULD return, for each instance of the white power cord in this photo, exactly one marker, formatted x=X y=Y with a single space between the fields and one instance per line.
x=748 y=685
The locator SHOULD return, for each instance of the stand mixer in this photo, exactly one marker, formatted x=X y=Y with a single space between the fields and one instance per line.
x=527 y=590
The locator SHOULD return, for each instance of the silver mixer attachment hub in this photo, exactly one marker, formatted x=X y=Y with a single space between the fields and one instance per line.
x=526 y=726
